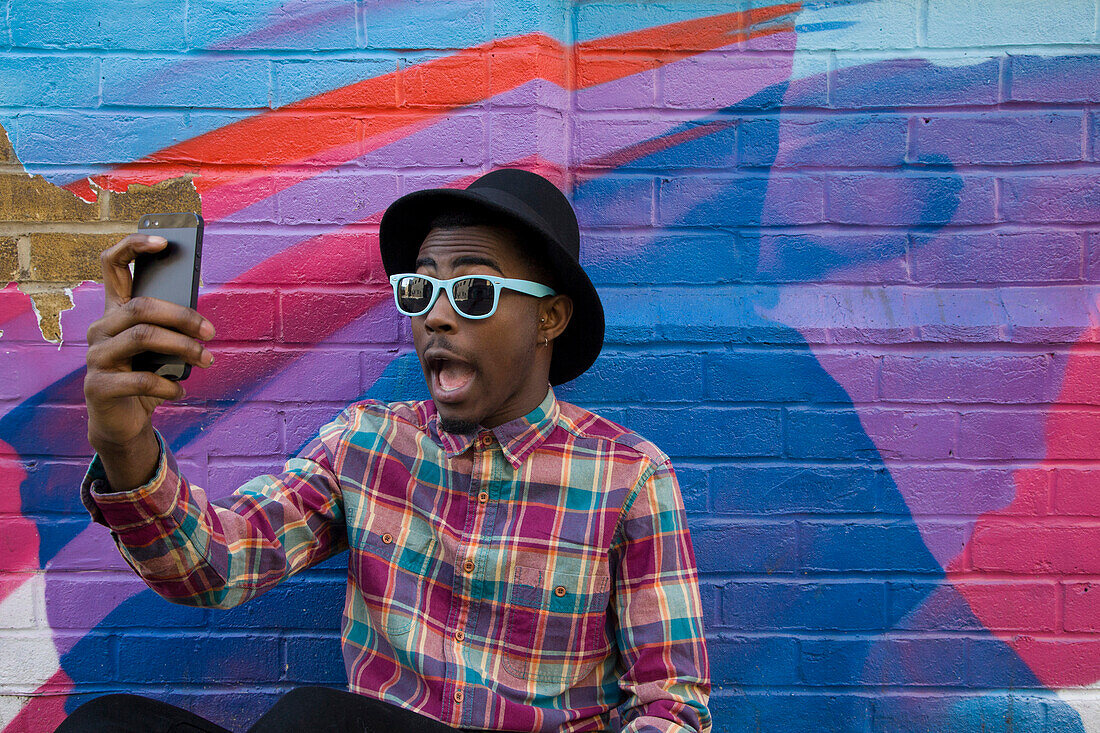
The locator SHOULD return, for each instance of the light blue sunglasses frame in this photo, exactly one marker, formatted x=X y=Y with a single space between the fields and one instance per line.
x=526 y=287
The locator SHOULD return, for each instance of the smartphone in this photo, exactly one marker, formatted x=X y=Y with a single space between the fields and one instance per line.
x=171 y=274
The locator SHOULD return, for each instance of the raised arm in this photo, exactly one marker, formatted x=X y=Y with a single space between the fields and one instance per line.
x=659 y=614
x=120 y=401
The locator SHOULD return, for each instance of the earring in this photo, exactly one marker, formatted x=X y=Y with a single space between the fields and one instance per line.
x=545 y=340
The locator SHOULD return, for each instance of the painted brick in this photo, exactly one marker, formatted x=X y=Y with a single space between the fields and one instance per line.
x=786 y=489
x=118 y=135
x=235 y=83
x=315 y=660
x=1065 y=198
x=116 y=24
x=341 y=198
x=69 y=598
x=240 y=315
x=299 y=79
x=771 y=547
x=236 y=256
x=1059 y=79
x=630 y=143
x=709 y=201
x=463 y=82
x=897 y=434
x=768 y=660
x=1030 y=605
x=49 y=81
x=303 y=423
x=910 y=200
x=990 y=711
x=731 y=80
x=932 y=490
x=711 y=431
x=516 y=134
x=1046 y=315
x=1082 y=607
x=694 y=488
x=803 y=606
x=778 y=376
x=862 y=545
x=995 y=258
x=307 y=317
x=297 y=24
x=1035 y=547
x=849 y=141
x=863 y=82
x=764 y=710
x=1076 y=491
x=999 y=138
x=911 y=662
x=198 y=659
x=613 y=201
x=1012 y=23
x=308 y=602
x=987 y=377
x=658 y=257
x=1001 y=435
x=438 y=25
x=633 y=91
x=846 y=256
x=633 y=377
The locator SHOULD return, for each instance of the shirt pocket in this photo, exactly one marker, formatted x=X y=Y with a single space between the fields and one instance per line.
x=401 y=565
x=555 y=624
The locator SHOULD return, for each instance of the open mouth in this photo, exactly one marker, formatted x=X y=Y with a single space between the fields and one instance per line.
x=450 y=378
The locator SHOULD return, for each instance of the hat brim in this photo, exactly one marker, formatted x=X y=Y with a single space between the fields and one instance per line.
x=406 y=223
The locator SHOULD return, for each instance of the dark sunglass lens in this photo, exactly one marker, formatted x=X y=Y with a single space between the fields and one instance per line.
x=414 y=294
x=474 y=296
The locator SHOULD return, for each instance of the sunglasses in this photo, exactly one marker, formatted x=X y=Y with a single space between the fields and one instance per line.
x=472 y=296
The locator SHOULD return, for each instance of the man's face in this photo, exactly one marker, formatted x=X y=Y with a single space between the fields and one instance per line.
x=479 y=372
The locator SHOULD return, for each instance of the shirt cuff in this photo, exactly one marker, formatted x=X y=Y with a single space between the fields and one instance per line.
x=123 y=510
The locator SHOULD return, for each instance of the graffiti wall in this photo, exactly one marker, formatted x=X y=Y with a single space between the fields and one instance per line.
x=850 y=256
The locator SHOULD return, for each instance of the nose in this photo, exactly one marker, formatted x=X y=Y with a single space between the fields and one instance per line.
x=441 y=316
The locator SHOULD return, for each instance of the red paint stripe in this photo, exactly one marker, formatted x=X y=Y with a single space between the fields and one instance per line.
x=330 y=127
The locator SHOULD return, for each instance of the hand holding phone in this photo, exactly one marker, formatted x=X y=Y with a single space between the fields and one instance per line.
x=120 y=400
x=171 y=274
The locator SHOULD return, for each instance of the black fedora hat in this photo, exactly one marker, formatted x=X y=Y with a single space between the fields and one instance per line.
x=547 y=225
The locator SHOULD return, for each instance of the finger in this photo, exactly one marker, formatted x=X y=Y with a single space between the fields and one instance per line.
x=115 y=263
x=157 y=312
x=115 y=385
x=116 y=353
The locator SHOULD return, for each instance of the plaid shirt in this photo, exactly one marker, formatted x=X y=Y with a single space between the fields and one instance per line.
x=535 y=577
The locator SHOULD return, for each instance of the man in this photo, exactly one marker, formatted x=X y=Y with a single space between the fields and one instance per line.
x=515 y=562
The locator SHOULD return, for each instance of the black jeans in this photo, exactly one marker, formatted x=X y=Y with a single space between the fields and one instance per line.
x=306 y=709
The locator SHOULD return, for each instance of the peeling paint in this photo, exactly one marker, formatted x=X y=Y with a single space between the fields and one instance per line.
x=50 y=238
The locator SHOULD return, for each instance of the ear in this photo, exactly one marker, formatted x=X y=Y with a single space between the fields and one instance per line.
x=554 y=315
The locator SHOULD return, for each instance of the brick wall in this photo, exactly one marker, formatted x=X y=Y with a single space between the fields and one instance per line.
x=849 y=254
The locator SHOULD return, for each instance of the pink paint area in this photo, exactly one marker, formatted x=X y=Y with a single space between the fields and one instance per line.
x=18 y=535
x=1041 y=537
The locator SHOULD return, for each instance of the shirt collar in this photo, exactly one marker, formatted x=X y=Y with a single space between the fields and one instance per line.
x=517 y=438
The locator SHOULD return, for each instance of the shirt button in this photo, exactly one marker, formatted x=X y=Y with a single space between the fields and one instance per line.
x=468 y=566
x=387 y=538
x=559 y=591
x=459 y=697
x=483 y=497
x=459 y=636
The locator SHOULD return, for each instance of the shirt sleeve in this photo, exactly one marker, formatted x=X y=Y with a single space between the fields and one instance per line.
x=221 y=553
x=666 y=678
